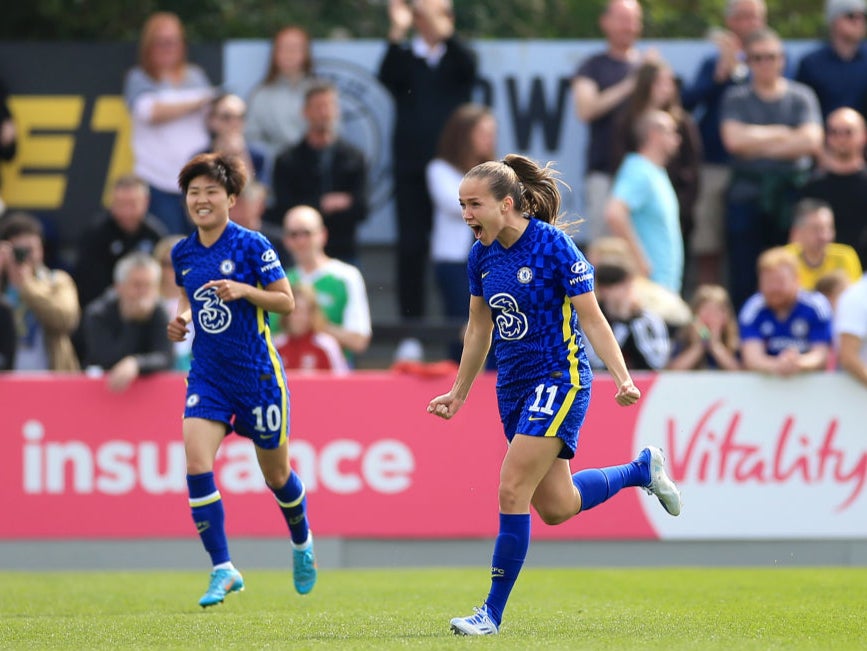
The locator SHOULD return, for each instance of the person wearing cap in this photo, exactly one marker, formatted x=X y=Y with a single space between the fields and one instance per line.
x=837 y=70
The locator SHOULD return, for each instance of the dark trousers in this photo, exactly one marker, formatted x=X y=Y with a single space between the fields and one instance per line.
x=414 y=217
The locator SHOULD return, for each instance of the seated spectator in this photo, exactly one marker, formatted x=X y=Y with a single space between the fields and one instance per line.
x=339 y=286
x=641 y=334
x=832 y=285
x=8 y=336
x=326 y=172
x=304 y=344
x=126 y=226
x=710 y=341
x=837 y=69
x=168 y=99
x=812 y=241
x=643 y=207
x=850 y=328
x=125 y=330
x=785 y=330
x=652 y=296
x=170 y=295
x=248 y=211
x=45 y=301
x=275 y=119
x=226 y=128
x=842 y=178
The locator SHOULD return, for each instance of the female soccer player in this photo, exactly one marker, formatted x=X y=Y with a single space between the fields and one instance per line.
x=230 y=278
x=531 y=286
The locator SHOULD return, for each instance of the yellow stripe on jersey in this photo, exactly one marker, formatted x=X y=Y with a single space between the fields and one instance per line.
x=571 y=341
x=277 y=365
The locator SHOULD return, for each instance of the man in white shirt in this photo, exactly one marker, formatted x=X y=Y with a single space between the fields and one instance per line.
x=850 y=329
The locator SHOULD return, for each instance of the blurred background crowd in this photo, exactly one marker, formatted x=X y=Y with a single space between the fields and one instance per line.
x=726 y=213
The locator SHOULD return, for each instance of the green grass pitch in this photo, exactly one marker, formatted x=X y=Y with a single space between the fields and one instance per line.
x=774 y=608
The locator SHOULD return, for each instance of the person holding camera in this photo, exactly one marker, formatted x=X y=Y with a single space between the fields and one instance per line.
x=44 y=301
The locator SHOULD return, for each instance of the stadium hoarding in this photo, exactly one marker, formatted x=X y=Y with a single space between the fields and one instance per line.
x=756 y=457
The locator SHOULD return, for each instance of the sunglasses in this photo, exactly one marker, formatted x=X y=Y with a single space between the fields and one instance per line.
x=763 y=56
x=854 y=15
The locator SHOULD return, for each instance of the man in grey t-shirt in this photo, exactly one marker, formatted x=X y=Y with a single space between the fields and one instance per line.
x=772 y=128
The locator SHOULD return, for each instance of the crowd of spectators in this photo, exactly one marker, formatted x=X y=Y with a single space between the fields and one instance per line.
x=724 y=213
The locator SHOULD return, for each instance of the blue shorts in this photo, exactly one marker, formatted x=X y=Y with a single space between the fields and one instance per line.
x=547 y=409
x=257 y=410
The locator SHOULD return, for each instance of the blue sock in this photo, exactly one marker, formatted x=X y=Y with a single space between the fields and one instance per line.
x=599 y=484
x=510 y=550
x=207 y=507
x=293 y=503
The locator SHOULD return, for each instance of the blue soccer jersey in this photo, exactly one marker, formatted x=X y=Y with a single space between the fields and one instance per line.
x=235 y=367
x=808 y=323
x=528 y=287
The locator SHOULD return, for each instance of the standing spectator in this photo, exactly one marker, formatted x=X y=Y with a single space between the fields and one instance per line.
x=226 y=118
x=428 y=78
x=126 y=226
x=711 y=340
x=45 y=301
x=324 y=171
x=641 y=334
x=8 y=136
x=850 y=328
x=603 y=84
x=772 y=128
x=248 y=211
x=167 y=98
x=784 y=330
x=837 y=70
x=339 y=286
x=842 y=179
x=304 y=344
x=643 y=205
x=275 y=119
x=812 y=242
x=170 y=296
x=124 y=331
x=656 y=88
x=468 y=138
x=720 y=71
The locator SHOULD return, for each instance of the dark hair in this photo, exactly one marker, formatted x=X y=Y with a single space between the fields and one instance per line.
x=317 y=87
x=533 y=188
x=228 y=171
x=455 y=142
x=611 y=274
x=18 y=223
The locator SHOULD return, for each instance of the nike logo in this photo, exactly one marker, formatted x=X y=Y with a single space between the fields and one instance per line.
x=485 y=273
x=538 y=418
x=202 y=526
x=186 y=271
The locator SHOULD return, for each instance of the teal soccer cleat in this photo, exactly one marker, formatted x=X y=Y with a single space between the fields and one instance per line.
x=223 y=582
x=479 y=623
x=304 y=568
